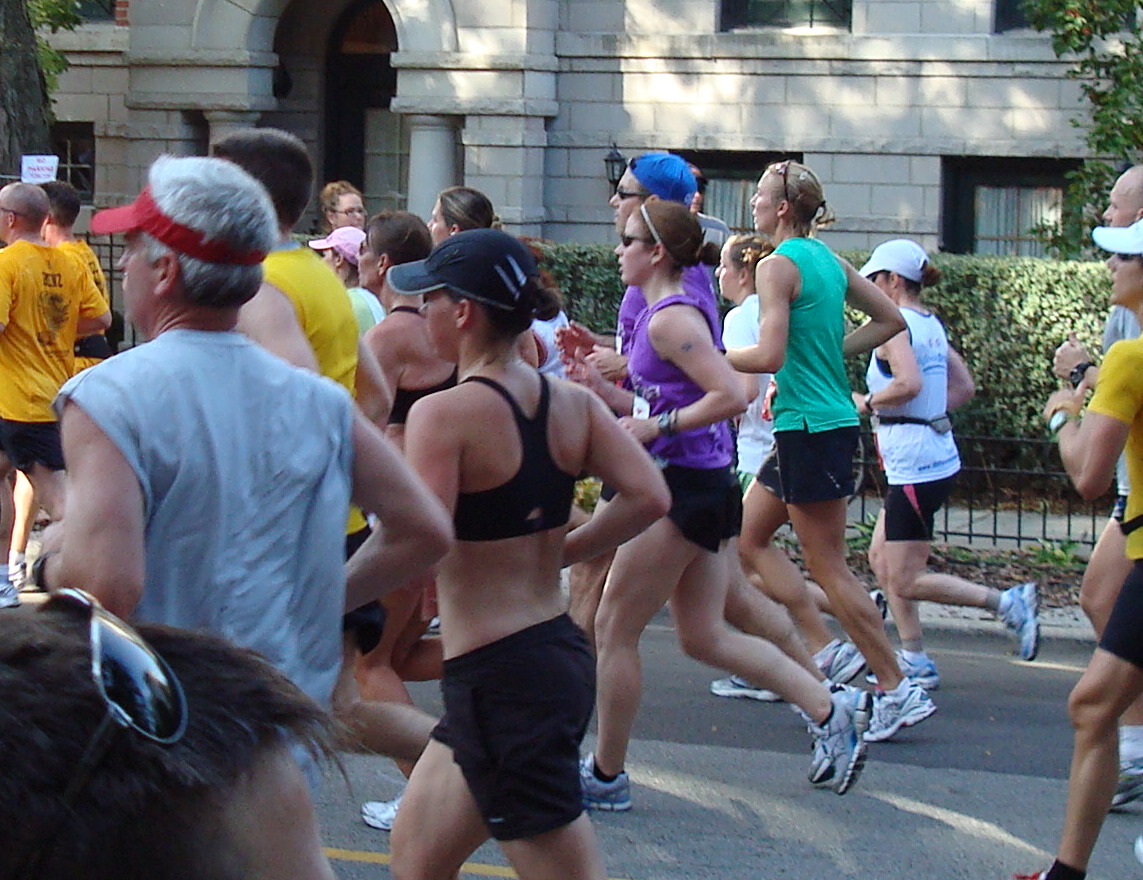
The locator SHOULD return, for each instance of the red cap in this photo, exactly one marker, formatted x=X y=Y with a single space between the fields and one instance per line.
x=144 y=215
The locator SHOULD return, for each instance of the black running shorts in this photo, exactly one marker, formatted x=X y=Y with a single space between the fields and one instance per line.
x=515 y=714
x=805 y=467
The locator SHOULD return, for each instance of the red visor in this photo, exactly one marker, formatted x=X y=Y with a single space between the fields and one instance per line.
x=144 y=215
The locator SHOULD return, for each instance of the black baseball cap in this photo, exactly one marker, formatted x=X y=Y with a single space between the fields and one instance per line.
x=485 y=265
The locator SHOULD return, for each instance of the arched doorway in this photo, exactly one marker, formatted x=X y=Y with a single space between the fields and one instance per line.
x=364 y=142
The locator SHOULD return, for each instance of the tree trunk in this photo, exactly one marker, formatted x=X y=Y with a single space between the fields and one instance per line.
x=23 y=92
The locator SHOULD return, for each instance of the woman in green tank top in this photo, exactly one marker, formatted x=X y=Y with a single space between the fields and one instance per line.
x=803 y=288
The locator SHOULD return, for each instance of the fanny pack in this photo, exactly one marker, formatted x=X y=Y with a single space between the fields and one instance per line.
x=942 y=424
x=1130 y=525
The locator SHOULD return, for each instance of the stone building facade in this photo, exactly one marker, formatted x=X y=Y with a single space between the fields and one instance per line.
x=926 y=118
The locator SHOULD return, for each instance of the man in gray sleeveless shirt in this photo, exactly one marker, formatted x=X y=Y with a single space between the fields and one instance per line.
x=210 y=479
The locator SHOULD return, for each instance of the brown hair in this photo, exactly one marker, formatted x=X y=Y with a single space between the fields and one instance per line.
x=149 y=810
x=799 y=185
x=402 y=236
x=549 y=306
x=331 y=193
x=746 y=250
x=467 y=208
x=279 y=161
x=672 y=225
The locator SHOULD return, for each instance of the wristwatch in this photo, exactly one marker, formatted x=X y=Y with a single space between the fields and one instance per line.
x=1078 y=372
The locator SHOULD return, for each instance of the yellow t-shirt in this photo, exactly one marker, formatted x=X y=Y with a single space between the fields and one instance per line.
x=86 y=255
x=43 y=293
x=325 y=314
x=83 y=252
x=1119 y=394
x=323 y=307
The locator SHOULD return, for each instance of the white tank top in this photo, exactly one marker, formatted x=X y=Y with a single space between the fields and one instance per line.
x=917 y=453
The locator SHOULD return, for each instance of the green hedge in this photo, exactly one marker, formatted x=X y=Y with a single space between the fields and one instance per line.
x=1005 y=315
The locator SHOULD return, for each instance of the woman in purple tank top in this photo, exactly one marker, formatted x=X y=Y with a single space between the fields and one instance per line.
x=684 y=391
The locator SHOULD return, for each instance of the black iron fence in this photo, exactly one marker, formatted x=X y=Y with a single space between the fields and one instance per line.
x=1025 y=501
x=1019 y=506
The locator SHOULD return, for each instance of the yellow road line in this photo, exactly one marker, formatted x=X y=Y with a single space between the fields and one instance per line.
x=376 y=858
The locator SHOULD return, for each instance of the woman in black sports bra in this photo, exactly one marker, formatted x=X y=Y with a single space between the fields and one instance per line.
x=502 y=450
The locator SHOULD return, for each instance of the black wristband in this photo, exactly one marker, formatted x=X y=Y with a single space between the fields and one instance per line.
x=1078 y=372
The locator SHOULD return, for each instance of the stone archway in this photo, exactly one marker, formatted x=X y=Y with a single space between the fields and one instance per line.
x=421 y=25
x=364 y=143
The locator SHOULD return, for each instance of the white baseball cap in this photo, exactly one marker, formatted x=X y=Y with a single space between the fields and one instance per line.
x=901 y=256
x=1120 y=239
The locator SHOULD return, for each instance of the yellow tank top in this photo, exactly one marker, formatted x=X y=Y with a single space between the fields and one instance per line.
x=325 y=314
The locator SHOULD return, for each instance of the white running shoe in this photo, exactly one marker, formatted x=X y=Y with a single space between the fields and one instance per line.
x=893 y=710
x=923 y=672
x=840 y=661
x=1130 y=785
x=1020 y=609
x=381 y=814
x=739 y=687
x=839 y=745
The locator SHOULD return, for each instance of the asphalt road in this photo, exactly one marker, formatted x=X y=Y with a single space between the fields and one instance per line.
x=977 y=791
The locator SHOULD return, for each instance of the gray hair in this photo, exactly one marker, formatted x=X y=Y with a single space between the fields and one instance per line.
x=222 y=202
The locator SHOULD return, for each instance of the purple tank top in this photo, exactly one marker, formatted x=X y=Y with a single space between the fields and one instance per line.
x=696 y=285
x=665 y=387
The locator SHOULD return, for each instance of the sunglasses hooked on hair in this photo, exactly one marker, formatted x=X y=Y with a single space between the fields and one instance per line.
x=140 y=693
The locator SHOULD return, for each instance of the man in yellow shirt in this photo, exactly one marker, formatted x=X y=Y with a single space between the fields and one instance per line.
x=57 y=231
x=47 y=299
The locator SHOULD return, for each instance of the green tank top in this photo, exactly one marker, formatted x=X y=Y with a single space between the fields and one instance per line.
x=813 y=389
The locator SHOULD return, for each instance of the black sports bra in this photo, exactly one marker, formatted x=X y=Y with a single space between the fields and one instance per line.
x=536 y=498
x=404 y=398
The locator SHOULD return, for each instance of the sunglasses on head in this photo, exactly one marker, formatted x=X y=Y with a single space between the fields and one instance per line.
x=140 y=693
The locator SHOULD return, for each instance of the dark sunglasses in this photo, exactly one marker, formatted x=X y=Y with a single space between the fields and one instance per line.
x=628 y=240
x=140 y=693
x=628 y=194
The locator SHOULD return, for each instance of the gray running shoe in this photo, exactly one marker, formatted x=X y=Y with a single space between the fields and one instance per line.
x=892 y=712
x=839 y=745
x=614 y=796
x=1130 y=785
x=1020 y=611
x=840 y=661
x=9 y=595
x=736 y=686
x=381 y=814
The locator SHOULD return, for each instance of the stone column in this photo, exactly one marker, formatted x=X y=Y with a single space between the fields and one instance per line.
x=226 y=122
x=432 y=160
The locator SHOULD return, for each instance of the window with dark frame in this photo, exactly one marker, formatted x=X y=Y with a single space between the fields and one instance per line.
x=96 y=10
x=1009 y=15
x=737 y=14
x=990 y=205
x=732 y=177
x=74 y=143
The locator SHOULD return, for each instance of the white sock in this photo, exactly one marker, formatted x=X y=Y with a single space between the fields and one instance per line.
x=1131 y=744
x=915 y=656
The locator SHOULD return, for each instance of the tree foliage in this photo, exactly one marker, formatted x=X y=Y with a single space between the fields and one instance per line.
x=52 y=16
x=1103 y=41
